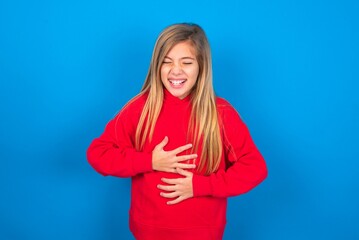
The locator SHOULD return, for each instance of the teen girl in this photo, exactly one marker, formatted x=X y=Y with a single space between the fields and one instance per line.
x=185 y=149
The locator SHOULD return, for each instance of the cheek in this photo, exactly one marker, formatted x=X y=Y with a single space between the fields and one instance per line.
x=194 y=74
x=163 y=74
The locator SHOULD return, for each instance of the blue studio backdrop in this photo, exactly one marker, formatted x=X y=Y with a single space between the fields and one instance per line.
x=289 y=67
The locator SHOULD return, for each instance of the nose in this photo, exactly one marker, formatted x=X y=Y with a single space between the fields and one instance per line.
x=176 y=69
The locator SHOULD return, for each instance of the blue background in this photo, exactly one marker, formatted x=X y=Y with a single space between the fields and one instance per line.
x=289 y=67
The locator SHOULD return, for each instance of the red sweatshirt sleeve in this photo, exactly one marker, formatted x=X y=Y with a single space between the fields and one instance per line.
x=246 y=169
x=113 y=153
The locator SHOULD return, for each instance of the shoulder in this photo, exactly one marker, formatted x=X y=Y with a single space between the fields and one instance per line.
x=226 y=111
x=221 y=101
x=224 y=105
x=136 y=102
x=134 y=106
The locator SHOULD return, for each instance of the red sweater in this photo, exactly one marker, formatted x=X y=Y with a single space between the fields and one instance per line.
x=202 y=217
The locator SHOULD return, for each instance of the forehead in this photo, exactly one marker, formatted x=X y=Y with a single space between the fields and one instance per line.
x=182 y=49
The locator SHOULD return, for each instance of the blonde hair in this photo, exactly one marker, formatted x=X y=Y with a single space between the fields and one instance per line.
x=204 y=121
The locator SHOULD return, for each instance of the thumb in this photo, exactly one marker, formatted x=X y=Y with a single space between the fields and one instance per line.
x=162 y=144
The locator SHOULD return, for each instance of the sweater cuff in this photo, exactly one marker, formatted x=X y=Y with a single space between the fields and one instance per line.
x=201 y=185
x=142 y=163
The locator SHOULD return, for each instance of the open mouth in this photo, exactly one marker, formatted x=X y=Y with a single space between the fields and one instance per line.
x=177 y=83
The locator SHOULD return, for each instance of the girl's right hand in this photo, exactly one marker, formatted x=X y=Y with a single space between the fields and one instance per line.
x=168 y=161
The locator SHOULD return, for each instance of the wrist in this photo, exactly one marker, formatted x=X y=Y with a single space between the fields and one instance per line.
x=154 y=162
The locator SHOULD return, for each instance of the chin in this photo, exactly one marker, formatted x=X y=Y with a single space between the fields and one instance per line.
x=178 y=94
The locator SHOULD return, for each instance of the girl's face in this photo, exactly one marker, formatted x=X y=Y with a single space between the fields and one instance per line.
x=179 y=70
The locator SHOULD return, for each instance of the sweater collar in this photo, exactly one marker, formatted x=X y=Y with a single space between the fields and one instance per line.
x=168 y=97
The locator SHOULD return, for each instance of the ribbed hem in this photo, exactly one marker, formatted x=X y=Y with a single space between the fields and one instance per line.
x=145 y=232
x=142 y=162
x=201 y=186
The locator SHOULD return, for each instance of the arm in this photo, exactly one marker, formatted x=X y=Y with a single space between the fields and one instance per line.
x=113 y=153
x=247 y=167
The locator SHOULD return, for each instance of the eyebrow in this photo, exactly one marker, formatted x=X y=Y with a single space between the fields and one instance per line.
x=191 y=58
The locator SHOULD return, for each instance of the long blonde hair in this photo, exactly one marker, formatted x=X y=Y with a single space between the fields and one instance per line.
x=204 y=121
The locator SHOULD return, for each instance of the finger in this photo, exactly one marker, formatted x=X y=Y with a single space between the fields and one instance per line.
x=168 y=188
x=171 y=170
x=186 y=166
x=171 y=181
x=162 y=144
x=182 y=148
x=183 y=172
x=177 y=200
x=169 y=195
x=186 y=157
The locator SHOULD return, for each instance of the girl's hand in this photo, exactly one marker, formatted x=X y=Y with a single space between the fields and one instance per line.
x=178 y=188
x=169 y=161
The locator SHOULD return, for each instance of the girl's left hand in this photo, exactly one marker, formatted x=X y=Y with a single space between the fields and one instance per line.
x=179 y=188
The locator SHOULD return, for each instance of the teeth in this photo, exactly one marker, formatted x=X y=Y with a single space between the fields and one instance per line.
x=177 y=82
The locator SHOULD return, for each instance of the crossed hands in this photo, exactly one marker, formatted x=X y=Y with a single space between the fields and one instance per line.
x=178 y=189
